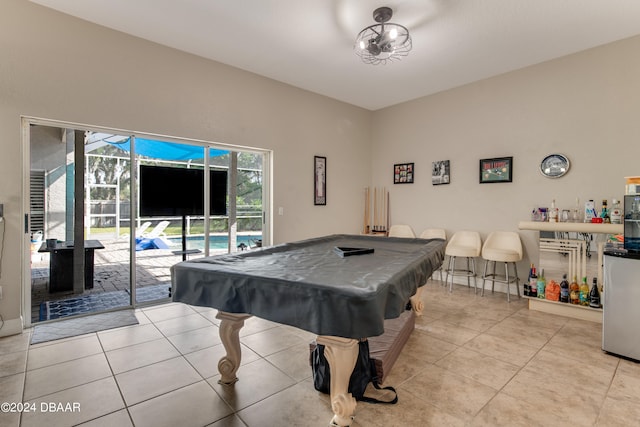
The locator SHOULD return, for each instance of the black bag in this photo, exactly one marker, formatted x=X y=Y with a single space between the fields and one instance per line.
x=363 y=373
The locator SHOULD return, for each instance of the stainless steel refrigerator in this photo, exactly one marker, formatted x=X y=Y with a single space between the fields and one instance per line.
x=621 y=313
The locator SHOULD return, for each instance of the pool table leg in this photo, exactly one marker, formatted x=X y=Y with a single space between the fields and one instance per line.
x=230 y=325
x=341 y=353
x=416 y=302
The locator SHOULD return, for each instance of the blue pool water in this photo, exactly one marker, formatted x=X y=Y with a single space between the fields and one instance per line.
x=216 y=242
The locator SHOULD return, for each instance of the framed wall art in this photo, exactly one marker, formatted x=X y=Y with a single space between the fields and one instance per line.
x=440 y=172
x=499 y=169
x=403 y=173
x=319 y=180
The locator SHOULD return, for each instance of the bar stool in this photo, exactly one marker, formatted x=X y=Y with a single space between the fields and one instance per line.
x=466 y=244
x=435 y=233
x=502 y=246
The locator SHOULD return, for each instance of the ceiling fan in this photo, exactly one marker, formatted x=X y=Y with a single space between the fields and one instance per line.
x=384 y=41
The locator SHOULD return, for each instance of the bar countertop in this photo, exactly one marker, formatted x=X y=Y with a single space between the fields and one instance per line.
x=578 y=227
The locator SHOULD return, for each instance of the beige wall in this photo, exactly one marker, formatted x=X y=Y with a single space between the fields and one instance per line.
x=586 y=106
x=57 y=67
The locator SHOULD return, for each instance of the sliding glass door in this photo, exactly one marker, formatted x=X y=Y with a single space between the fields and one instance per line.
x=111 y=213
x=79 y=260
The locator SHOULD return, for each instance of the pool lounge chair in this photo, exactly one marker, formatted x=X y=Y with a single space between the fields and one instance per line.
x=143 y=228
x=139 y=231
x=154 y=239
x=157 y=231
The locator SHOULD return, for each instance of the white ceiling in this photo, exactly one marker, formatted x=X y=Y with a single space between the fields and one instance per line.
x=309 y=43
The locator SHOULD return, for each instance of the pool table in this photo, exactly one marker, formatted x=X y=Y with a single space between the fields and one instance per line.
x=340 y=287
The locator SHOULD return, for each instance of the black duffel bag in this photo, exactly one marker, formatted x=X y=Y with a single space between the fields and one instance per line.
x=363 y=373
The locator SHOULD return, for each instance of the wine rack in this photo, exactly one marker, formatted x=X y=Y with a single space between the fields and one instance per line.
x=565 y=309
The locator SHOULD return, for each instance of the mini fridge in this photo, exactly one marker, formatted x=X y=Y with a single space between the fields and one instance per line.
x=621 y=316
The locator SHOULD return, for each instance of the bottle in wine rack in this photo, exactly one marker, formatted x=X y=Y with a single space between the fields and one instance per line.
x=527 y=284
x=584 y=292
x=541 y=284
x=564 y=289
x=533 y=283
x=594 y=295
x=574 y=291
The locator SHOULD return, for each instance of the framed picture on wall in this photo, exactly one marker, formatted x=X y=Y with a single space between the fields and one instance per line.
x=403 y=173
x=499 y=169
x=319 y=180
x=440 y=172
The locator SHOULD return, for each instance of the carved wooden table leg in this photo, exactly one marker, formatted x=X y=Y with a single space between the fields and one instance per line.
x=230 y=325
x=416 y=302
x=341 y=353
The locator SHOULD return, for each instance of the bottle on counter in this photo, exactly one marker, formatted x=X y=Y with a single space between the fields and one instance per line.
x=564 y=289
x=604 y=214
x=574 y=291
x=590 y=211
x=541 y=284
x=616 y=212
x=584 y=292
x=594 y=295
x=576 y=215
x=553 y=212
x=533 y=283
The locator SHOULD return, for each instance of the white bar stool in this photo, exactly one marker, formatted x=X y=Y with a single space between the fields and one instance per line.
x=435 y=233
x=506 y=247
x=465 y=244
x=401 y=230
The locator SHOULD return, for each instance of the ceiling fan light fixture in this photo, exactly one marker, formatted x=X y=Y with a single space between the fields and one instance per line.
x=382 y=42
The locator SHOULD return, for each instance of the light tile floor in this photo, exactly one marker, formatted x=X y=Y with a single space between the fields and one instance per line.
x=472 y=361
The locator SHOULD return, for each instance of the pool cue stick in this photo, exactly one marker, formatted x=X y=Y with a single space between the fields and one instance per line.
x=388 y=224
x=365 y=222
x=375 y=208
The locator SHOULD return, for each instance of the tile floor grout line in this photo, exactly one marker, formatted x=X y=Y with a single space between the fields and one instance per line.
x=606 y=394
x=113 y=376
x=24 y=380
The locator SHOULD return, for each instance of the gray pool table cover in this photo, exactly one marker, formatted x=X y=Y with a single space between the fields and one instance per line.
x=306 y=284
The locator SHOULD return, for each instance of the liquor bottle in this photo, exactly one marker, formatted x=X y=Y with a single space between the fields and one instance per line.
x=616 y=212
x=527 y=284
x=564 y=289
x=541 y=284
x=574 y=292
x=553 y=212
x=594 y=295
x=584 y=292
x=589 y=211
x=533 y=283
x=604 y=214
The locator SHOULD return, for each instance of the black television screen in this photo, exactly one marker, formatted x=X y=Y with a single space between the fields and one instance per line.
x=173 y=191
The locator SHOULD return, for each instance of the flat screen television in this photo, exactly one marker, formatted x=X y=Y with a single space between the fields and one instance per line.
x=173 y=191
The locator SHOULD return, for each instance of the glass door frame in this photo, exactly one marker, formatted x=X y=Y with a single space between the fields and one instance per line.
x=26 y=122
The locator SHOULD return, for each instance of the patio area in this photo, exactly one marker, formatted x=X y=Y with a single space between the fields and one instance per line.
x=110 y=284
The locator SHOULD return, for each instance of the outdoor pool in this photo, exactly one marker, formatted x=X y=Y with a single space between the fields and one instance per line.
x=216 y=242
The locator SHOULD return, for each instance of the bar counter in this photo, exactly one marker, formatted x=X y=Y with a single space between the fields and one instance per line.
x=577 y=227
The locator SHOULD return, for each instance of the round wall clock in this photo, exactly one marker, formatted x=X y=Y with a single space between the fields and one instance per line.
x=554 y=165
